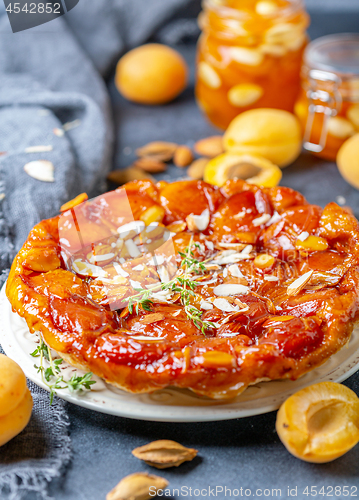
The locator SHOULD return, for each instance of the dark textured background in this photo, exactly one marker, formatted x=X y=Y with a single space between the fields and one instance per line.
x=239 y=453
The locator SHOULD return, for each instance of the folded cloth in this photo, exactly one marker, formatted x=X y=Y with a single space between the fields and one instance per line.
x=39 y=453
x=52 y=95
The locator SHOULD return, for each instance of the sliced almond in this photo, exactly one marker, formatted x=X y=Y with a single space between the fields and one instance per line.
x=101 y=255
x=235 y=271
x=210 y=146
x=197 y=168
x=70 y=125
x=164 y=453
x=137 y=486
x=177 y=226
x=198 y=222
x=160 y=150
x=42 y=170
x=59 y=132
x=226 y=290
x=224 y=305
x=128 y=174
x=147 y=319
x=38 y=149
x=183 y=156
x=299 y=283
x=261 y=220
x=205 y=305
x=150 y=165
x=232 y=246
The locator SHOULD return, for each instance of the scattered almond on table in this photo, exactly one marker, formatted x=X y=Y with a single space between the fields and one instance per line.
x=164 y=453
x=183 y=156
x=137 y=486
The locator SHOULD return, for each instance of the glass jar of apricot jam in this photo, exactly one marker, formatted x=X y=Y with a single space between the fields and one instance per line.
x=328 y=105
x=249 y=56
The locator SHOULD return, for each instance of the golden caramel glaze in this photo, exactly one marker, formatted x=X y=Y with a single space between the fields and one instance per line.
x=273 y=334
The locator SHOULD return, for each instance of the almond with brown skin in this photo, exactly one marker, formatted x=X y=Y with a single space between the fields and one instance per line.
x=210 y=146
x=149 y=164
x=128 y=174
x=164 y=453
x=160 y=150
x=183 y=156
x=137 y=486
x=196 y=170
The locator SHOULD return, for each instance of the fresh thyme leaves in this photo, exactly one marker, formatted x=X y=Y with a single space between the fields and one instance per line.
x=184 y=284
x=50 y=376
x=141 y=299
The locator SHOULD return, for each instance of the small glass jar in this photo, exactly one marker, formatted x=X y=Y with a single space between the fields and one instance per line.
x=328 y=106
x=249 y=56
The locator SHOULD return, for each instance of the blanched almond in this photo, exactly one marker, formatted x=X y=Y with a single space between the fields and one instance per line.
x=196 y=170
x=137 y=486
x=249 y=57
x=183 y=156
x=164 y=453
x=208 y=75
x=244 y=94
x=210 y=146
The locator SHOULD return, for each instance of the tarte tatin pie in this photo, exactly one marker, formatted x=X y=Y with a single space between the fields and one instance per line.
x=188 y=285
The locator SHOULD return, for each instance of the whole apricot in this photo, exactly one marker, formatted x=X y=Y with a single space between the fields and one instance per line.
x=271 y=133
x=15 y=400
x=319 y=423
x=151 y=74
x=347 y=160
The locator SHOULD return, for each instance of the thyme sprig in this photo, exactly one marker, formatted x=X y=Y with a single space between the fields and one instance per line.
x=184 y=284
x=50 y=376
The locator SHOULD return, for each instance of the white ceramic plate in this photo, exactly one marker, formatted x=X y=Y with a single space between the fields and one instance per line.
x=171 y=405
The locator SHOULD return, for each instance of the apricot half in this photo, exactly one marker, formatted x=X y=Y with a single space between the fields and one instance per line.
x=15 y=400
x=252 y=169
x=319 y=423
x=273 y=134
x=151 y=74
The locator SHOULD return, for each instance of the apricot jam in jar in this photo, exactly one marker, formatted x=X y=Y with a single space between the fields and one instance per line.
x=249 y=56
x=328 y=105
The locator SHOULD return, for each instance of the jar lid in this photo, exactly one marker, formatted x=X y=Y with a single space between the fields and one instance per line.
x=336 y=53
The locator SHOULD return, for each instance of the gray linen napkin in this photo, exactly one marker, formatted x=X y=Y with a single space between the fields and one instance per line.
x=49 y=77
